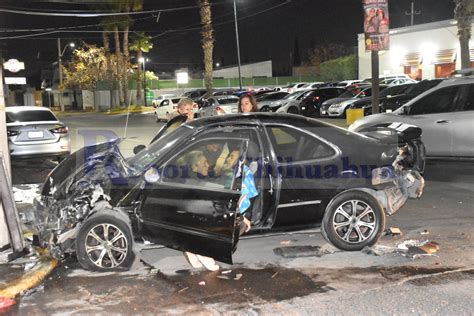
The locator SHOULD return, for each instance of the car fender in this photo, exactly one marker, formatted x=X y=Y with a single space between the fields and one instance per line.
x=379 y=196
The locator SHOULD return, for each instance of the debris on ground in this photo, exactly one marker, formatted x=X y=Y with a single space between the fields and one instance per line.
x=5 y=303
x=300 y=251
x=425 y=232
x=393 y=231
x=285 y=242
x=238 y=276
x=378 y=250
x=202 y=283
x=414 y=248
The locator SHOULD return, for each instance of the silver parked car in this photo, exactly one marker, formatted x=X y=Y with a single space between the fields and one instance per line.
x=36 y=132
x=445 y=114
x=219 y=105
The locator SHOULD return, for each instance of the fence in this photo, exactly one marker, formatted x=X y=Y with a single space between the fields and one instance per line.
x=218 y=83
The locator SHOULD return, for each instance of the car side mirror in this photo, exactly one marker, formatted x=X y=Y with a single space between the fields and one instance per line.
x=152 y=175
x=138 y=149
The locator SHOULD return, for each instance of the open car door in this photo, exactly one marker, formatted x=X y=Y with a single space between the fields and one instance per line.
x=186 y=209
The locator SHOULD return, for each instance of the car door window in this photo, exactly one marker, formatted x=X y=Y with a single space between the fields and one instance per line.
x=211 y=163
x=468 y=102
x=294 y=145
x=440 y=101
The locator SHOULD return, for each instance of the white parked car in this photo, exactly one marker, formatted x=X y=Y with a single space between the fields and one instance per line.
x=293 y=87
x=445 y=114
x=160 y=98
x=165 y=108
x=347 y=83
x=219 y=105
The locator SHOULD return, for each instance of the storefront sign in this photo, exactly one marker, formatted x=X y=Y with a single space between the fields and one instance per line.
x=376 y=25
x=14 y=65
x=15 y=80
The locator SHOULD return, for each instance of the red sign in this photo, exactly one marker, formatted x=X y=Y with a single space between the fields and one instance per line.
x=376 y=25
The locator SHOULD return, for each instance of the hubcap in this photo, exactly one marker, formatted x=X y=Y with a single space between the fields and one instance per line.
x=106 y=246
x=354 y=221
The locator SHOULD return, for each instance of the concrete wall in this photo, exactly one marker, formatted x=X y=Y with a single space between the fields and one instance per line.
x=425 y=39
x=262 y=69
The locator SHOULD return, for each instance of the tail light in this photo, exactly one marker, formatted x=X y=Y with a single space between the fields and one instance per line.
x=316 y=98
x=12 y=133
x=60 y=130
x=290 y=90
x=219 y=111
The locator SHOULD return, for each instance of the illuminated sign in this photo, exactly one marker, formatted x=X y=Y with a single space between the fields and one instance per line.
x=14 y=65
x=15 y=80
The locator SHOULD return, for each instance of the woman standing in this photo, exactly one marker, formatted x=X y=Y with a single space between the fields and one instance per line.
x=247 y=104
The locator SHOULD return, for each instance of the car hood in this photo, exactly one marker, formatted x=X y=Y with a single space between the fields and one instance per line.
x=97 y=163
x=334 y=100
x=375 y=119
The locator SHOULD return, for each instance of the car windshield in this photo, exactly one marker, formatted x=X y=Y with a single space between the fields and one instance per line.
x=294 y=95
x=349 y=93
x=422 y=86
x=141 y=161
x=395 y=90
x=30 y=116
x=228 y=100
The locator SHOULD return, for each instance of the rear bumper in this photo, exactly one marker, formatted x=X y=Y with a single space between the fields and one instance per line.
x=60 y=148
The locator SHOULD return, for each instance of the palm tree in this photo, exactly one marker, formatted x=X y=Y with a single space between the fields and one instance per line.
x=463 y=14
x=127 y=6
x=141 y=44
x=207 y=43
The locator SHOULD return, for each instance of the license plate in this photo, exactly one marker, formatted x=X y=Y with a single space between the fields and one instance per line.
x=35 y=134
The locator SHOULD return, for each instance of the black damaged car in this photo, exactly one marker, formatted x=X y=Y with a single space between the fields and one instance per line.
x=182 y=190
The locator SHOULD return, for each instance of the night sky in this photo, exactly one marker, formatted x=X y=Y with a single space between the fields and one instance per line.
x=263 y=35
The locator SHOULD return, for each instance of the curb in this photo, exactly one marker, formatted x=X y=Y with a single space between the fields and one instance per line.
x=29 y=280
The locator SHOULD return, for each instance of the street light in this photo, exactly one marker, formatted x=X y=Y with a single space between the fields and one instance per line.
x=60 y=56
x=143 y=61
x=238 y=46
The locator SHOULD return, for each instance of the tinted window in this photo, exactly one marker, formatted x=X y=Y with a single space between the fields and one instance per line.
x=440 y=101
x=349 y=94
x=422 y=86
x=292 y=144
x=30 y=116
x=395 y=90
x=469 y=100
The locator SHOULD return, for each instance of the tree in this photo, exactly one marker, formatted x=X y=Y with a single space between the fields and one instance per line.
x=141 y=44
x=324 y=53
x=296 y=53
x=463 y=12
x=207 y=41
x=89 y=66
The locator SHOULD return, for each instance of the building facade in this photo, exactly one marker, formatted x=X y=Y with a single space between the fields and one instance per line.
x=422 y=51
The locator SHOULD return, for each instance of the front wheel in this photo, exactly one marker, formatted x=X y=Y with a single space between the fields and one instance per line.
x=293 y=110
x=265 y=109
x=353 y=220
x=105 y=241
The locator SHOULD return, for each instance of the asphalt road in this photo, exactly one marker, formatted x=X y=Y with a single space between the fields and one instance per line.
x=286 y=273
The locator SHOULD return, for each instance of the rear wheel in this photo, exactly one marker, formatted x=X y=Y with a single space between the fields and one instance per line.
x=353 y=220
x=105 y=241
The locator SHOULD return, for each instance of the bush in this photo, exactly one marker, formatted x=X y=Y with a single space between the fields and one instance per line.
x=342 y=68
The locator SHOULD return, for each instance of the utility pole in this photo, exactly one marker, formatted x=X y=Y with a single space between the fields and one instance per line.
x=60 y=95
x=238 y=45
x=413 y=12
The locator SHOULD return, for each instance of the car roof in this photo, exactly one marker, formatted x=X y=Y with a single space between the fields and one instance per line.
x=243 y=118
x=25 y=108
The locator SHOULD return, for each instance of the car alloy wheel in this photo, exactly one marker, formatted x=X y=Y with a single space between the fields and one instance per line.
x=353 y=220
x=106 y=246
x=104 y=242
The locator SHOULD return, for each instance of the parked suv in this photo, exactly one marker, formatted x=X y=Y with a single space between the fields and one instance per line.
x=445 y=114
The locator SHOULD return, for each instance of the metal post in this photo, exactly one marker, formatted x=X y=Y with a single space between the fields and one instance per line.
x=144 y=80
x=375 y=82
x=238 y=45
x=60 y=99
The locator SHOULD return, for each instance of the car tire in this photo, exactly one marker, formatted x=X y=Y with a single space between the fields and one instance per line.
x=351 y=231
x=105 y=242
x=293 y=110
x=265 y=109
x=156 y=117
